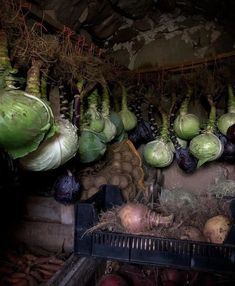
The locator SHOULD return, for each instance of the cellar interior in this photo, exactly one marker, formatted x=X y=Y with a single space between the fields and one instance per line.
x=117 y=142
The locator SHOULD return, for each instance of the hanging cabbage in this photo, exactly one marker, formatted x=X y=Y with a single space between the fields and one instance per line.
x=95 y=118
x=117 y=121
x=158 y=153
x=55 y=151
x=186 y=125
x=109 y=130
x=128 y=118
x=5 y=64
x=115 y=117
x=228 y=119
x=91 y=146
x=184 y=159
x=207 y=146
x=25 y=120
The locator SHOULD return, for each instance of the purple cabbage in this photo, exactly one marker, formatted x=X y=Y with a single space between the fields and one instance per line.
x=66 y=188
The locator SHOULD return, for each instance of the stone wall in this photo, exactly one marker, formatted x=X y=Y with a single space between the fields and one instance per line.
x=168 y=39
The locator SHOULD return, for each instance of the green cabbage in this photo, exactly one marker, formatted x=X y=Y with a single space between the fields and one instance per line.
x=55 y=151
x=117 y=121
x=109 y=130
x=91 y=146
x=206 y=147
x=25 y=121
x=187 y=126
x=158 y=153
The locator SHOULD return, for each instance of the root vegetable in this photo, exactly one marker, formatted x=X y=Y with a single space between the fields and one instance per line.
x=137 y=218
x=129 y=193
x=31 y=281
x=127 y=167
x=116 y=165
x=135 y=161
x=21 y=282
x=36 y=276
x=112 y=280
x=170 y=275
x=124 y=182
x=169 y=283
x=216 y=229
x=16 y=281
x=100 y=180
x=50 y=267
x=137 y=173
x=117 y=156
x=56 y=261
x=115 y=180
x=45 y=273
x=18 y=275
x=87 y=183
x=126 y=156
x=191 y=233
x=6 y=270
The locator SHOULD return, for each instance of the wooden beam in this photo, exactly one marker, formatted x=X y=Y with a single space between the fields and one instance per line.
x=187 y=65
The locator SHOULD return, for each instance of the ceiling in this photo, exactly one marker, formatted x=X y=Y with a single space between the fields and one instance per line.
x=101 y=19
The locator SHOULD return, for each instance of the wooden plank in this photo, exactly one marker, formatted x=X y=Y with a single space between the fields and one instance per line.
x=49 y=236
x=78 y=271
x=48 y=210
x=185 y=65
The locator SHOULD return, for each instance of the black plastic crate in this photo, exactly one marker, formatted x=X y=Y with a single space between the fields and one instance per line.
x=183 y=254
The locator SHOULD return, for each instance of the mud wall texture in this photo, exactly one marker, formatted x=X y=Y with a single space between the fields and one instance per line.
x=168 y=39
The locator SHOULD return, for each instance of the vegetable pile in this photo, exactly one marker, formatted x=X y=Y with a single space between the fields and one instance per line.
x=28 y=269
x=98 y=113
x=122 y=168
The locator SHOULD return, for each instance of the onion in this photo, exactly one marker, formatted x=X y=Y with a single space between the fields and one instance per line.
x=136 y=218
x=112 y=280
x=216 y=229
